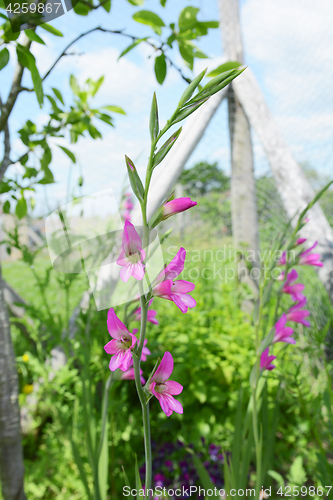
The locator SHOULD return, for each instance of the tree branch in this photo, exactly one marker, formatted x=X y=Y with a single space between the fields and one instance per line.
x=15 y=89
x=115 y=32
x=6 y=160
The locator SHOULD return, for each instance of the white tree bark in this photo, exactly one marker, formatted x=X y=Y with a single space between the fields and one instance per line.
x=11 y=456
x=243 y=194
x=291 y=182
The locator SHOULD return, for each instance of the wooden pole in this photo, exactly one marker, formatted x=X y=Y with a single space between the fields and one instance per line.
x=243 y=193
x=294 y=189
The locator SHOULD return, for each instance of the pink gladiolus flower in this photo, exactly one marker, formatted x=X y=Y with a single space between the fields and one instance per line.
x=300 y=241
x=282 y=332
x=132 y=255
x=295 y=289
x=122 y=344
x=177 y=291
x=163 y=389
x=129 y=375
x=150 y=317
x=310 y=259
x=128 y=205
x=297 y=315
x=176 y=206
x=282 y=261
x=127 y=215
x=266 y=360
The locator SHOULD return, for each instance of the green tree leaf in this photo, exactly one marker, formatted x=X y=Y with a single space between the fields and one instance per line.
x=4 y=58
x=32 y=35
x=136 y=2
x=160 y=68
x=6 y=207
x=149 y=18
x=21 y=208
x=114 y=109
x=51 y=29
x=68 y=153
x=58 y=95
x=74 y=85
x=132 y=46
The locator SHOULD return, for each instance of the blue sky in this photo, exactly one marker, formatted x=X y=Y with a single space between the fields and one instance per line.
x=288 y=45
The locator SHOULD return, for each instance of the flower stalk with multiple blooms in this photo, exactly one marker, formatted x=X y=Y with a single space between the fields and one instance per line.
x=126 y=349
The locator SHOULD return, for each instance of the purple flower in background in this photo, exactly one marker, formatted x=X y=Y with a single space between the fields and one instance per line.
x=266 y=360
x=282 y=332
x=150 y=317
x=293 y=289
x=310 y=259
x=129 y=375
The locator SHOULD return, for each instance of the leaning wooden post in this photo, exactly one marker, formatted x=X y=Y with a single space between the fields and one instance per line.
x=294 y=189
x=243 y=191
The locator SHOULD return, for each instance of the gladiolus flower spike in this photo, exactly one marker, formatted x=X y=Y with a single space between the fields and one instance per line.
x=164 y=389
x=132 y=255
x=122 y=344
x=165 y=287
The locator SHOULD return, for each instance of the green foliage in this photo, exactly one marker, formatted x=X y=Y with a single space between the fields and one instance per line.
x=204 y=178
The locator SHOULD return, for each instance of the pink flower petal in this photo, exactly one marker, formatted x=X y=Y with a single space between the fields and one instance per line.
x=126 y=272
x=115 y=327
x=173 y=387
x=165 y=369
x=111 y=347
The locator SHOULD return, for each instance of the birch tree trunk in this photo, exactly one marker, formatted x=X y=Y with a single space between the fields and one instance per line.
x=11 y=455
x=294 y=189
x=243 y=195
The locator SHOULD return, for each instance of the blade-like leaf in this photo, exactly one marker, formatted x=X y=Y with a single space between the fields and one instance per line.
x=68 y=153
x=160 y=68
x=58 y=95
x=32 y=35
x=114 y=109
x=224 y=67
x=132 y=46
x=51 y=29
x=4 y=58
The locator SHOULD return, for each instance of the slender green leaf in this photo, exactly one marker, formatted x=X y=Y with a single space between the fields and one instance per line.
x=80 y=466
x=38 y=84
x=6 y=207
x=68 y=153
x=32 y=35
x=4 y=58
x=74 y=85
x=136 y=2
x=238 y=442
x=223 y=68
x=127 y=483
x=160 y=68
x=153 y=120
x=164 y=150
x=21 y=208
x=58 y=95
x=51 y=29
x=103 y=465
x=114 y=109
x=205 y=480
x=187 y=94
x=132 y=46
